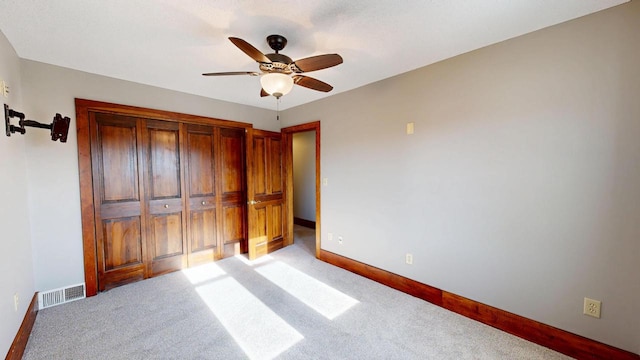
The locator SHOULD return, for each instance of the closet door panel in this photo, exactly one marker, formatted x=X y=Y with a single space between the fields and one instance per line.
x=202 y=192
x=164 y=183
x=122 y=246
x=232 y=154
x=164 y=164
x=201 y=161
x=168 y=232
x=233 y=191
x=117 y=191
x=203 y=234
x=233 y=223
x=118 y=151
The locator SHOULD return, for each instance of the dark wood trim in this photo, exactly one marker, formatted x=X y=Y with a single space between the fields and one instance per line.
x=22 y=337
x=287 y=137
x=287 y=173
x=83 y=109
x=86 y=201
x=316 y=126
x=559 y=340
x=135 y=111
x=401 y=283
x=306 y=223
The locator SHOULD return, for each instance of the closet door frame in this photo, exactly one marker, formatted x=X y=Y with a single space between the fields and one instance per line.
x=83 y=109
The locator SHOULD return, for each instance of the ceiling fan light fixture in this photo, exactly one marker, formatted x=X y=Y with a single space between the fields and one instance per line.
x=276 y=84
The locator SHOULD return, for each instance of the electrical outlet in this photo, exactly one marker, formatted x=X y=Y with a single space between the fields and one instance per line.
x=592 y=307
x=16 y=301
x=340 y=240
x=409 y=259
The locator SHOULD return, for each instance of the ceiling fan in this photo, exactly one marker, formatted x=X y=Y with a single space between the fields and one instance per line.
x=277 y=69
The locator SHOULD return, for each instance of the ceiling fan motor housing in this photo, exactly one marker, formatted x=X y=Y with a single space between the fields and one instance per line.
x=279 y=63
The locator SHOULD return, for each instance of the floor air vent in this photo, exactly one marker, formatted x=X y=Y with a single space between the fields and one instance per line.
x=60 y=296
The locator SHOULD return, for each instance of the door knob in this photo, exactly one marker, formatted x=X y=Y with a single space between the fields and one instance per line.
x=204 y=203
x=253 y=202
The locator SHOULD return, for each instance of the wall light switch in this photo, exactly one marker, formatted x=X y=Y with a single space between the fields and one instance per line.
x=4 y=88
x=410 y=129
x=408 y=259
x=325 y=181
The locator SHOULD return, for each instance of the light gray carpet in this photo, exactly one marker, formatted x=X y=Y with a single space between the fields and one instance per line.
x=235 y=309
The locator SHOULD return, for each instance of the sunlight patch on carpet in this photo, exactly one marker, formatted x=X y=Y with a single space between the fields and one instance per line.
x=319 y=296
x=261 y=260
x=259 y=331
x=202 y=273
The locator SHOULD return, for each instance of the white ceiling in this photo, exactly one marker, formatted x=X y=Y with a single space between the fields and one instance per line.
x=169 y=43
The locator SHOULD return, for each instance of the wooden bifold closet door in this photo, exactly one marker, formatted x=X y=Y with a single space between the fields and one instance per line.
x=167 y=195
x=119 y=199
x=216 y=192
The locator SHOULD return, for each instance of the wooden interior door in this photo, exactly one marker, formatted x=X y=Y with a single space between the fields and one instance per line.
x=265 y=193
x=163 y=183
x=118 y=192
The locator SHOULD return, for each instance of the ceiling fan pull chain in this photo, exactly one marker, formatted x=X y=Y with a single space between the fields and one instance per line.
x=278 y=109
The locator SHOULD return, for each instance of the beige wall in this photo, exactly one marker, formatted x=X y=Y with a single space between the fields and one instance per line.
x=16 y=265
x=304 y=175
x=521 y=185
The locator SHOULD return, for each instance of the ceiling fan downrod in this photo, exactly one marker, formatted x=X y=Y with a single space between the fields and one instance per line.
x=276 y=42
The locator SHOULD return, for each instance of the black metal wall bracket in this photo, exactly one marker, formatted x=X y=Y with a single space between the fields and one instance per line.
x=59 y=127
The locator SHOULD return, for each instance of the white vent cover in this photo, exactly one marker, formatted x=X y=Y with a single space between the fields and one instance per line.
x=60 y=296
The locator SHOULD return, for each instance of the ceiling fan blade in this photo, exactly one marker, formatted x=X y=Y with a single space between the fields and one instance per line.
x=263 y=93
x=250 y=73
x=248 y=49
x=315 y=63
x=312 y=83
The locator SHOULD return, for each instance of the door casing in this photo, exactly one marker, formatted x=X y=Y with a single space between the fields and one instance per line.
x=287 y=139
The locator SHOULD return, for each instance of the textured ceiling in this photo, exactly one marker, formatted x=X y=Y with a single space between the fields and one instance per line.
x=169 y=43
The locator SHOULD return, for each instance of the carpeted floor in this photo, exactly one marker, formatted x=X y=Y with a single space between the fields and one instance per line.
x=287 y=305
